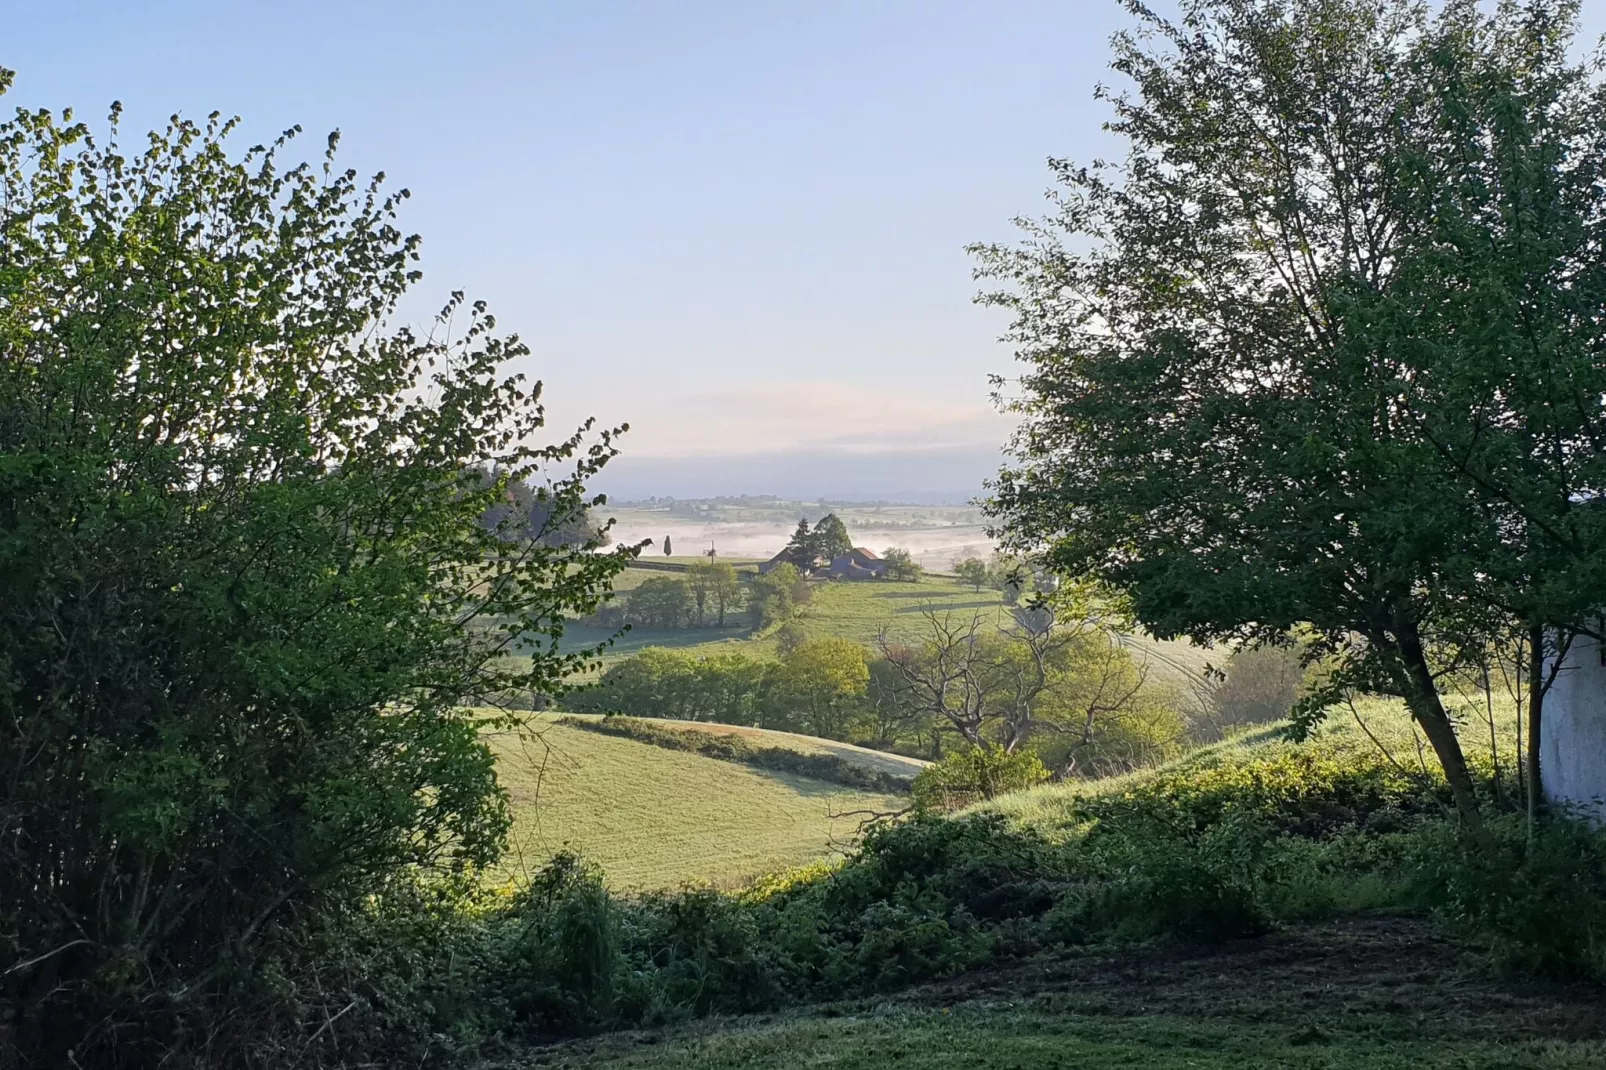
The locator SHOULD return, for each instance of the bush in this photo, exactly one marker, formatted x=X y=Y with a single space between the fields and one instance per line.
x=975 y=774
x=1163 y=877
x=1540 y=907
x=246 y=593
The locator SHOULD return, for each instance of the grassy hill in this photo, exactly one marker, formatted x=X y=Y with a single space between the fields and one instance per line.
x=1337 y=986
x=654 y=818
x=1373 y=729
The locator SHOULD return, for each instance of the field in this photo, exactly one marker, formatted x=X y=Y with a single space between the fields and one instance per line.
x=654 y=818
x=860 y=611
x=1355 y=994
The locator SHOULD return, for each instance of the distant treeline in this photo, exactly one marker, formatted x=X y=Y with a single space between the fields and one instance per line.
x=705 y=594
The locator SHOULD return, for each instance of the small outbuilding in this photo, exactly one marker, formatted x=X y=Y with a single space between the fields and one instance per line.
x=1572 y=749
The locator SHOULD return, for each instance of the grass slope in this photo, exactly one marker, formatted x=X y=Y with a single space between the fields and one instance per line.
x=1372 y=728
x=881 y=761
x=654 y=818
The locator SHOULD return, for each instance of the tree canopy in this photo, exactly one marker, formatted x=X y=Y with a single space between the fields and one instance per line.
x=831 y=538
x=1273 y=354
x=245 y=590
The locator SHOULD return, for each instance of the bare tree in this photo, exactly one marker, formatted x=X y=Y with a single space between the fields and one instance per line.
x=942 y=677
x=1009 y=683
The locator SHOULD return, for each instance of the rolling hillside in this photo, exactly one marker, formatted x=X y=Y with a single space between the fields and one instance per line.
x=857 y=611
x=655 y=818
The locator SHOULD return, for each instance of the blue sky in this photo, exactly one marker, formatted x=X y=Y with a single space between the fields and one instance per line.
x=737 y=225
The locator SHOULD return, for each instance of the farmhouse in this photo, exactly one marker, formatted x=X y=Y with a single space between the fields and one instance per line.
x=857 y=564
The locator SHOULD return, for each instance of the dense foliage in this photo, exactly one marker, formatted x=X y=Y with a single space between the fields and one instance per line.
x=975 y=774
x=1324 y=348
x=245 y=590
x=1076 y=698
x=818 y=687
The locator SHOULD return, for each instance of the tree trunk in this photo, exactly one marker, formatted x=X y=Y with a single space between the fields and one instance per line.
x=1536 y=709
x=1422 y=697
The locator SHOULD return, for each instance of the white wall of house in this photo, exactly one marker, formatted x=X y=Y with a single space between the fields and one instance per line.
x=1572 y=753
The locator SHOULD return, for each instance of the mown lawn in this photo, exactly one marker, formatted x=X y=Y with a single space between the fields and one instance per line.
x=1371 y=993
x=1005 y=1038
x=655 y=818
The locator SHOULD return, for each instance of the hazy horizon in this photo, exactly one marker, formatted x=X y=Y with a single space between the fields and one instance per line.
x=738 y=227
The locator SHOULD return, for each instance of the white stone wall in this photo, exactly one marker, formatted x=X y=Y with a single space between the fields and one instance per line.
x=1572 y=753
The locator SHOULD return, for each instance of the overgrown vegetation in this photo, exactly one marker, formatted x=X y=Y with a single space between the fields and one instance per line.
x=1198 y=854
x=975 y=774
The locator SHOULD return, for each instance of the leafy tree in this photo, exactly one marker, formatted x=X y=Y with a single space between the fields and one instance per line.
x=790 y=636
x=901 y=564
x=715 y=583
x=775 y=595
x=732 y=687
x=973 y=570
x=726 y=687
x=819 y=687
x=246 y=594
x=831 y=538
x=892 y=715
x=1274 y=355
x=661 y=602
x=1492 y=312
x=527 y=512
x=1010 y=576
x=669 y=547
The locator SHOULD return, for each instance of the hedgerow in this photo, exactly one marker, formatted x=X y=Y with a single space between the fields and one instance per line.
x=733 y=748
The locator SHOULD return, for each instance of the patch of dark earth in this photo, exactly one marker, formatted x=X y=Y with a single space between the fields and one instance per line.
x=1381 y=976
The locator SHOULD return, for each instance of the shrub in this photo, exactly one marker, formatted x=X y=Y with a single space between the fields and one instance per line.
x=974 y=774
x=1540 y=907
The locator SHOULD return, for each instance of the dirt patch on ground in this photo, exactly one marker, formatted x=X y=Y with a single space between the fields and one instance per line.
x=1355 y=989
x=1387 y=973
